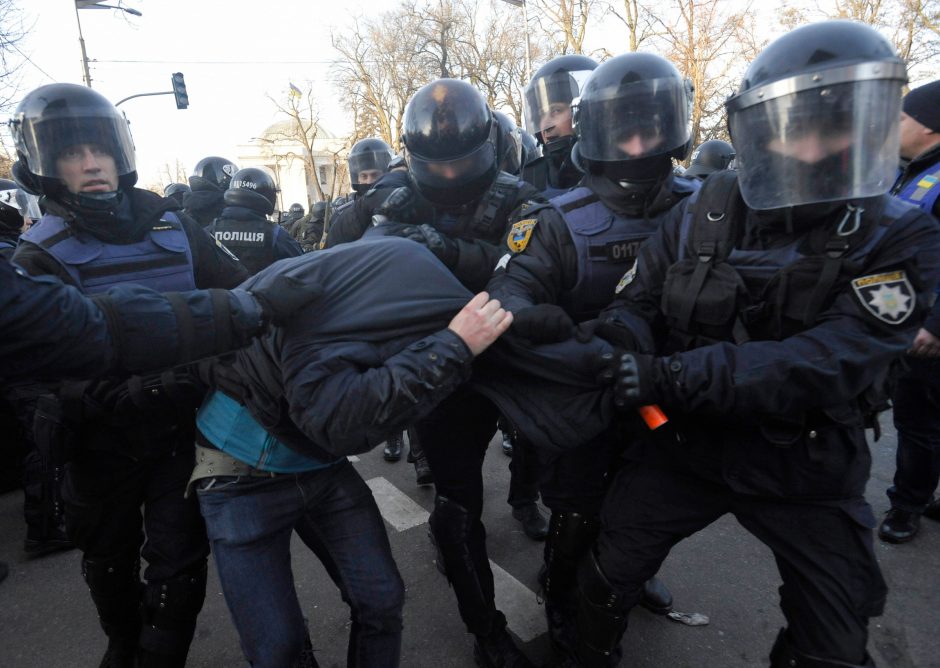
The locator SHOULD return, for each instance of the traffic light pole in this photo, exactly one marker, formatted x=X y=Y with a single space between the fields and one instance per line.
x=131 y=97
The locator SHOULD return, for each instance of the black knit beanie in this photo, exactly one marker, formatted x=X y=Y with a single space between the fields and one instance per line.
x=923 y=105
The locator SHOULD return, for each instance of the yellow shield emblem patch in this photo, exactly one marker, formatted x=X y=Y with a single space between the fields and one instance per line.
x=519 y=235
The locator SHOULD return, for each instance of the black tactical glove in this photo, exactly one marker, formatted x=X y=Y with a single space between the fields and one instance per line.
x=443 y=247
x=543 y=323
x=281 y=289
x=636 y=382
x=397 y=207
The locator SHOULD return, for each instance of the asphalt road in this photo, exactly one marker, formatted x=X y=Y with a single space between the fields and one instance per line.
x=47 y=619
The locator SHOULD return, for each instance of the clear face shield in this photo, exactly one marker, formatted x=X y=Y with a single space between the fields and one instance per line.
x=44 y=140
x=633 y=121
x=821 y=137
x=367 y=166
x=26 y=204
x=548 y=102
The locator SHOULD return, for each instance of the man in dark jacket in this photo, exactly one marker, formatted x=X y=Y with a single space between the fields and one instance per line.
x=764 y=317
x=915 y=398
x=132 y=437
x=274 y=435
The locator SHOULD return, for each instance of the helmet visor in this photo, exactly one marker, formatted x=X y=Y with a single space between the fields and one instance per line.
x=367 y=161
x=824 y=144
x=457 y=181
x=636 y=120
x=44 y=140
x=548 y=99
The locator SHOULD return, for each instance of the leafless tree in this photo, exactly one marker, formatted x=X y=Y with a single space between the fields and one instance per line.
x=302 y=128
x=175 y=173
x=12 y=59
x=638 y=20
x=564 y=21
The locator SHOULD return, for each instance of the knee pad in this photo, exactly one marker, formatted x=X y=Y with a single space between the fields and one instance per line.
x=785 y=655
x=601 y=618
x=570 y=537
x=170 y=609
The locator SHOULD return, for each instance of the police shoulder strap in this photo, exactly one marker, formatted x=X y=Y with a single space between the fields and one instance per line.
x=494 y=202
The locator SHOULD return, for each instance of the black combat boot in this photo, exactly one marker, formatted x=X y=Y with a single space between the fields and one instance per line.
x=393 y=447
x=656 y=597
x=899 y=526
x=497 y=649
x=932 y=511
x=533 y=524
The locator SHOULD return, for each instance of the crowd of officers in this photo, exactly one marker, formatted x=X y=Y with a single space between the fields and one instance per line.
x=762 y=303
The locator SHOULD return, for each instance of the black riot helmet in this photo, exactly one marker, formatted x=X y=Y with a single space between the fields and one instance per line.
x=297 y=209
x=367 y=157
x=713 y=155
x=530 y=148
x=213 y=174
x=252 y=188
x=56 y=117
x=451 y=142
x=318 y=211
x=509 y=144
x=548 y=99
x=176 y=192
x=633 y=113
x=816 y=117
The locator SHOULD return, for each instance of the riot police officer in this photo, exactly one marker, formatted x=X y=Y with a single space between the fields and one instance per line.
x=133 y=437
x=177 y=192
x=368 y=160
x=764 y=324
x=308 y=230
x=711 y=156
x=510 y=144
x=452 y=153
x=548 y=114
x=210 y=179
x=568 y=256
x=243 y=226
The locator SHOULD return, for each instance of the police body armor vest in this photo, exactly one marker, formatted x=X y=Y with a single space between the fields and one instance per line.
x=607 y=245
x=251 y=240
x=490 y=218
x=161 y=260
x=715 y=292
x=924 y=190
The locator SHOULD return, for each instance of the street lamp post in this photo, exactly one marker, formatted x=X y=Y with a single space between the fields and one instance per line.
x=525 y=19
x=93 y=4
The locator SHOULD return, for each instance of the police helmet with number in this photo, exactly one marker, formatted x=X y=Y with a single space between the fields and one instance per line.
x=213 y=174
x=252 y=188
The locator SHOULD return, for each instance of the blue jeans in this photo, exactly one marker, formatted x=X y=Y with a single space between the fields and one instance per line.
x=250 y=521
x=917 y=419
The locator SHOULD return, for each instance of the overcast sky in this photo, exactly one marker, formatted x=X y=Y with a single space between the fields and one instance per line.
x=233 y=54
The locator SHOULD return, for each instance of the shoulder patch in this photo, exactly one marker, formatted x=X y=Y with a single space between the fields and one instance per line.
x=519 y=235
x=888 y=296
x=626 y=279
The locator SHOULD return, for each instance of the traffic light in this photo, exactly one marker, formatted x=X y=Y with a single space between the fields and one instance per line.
x=179 y=91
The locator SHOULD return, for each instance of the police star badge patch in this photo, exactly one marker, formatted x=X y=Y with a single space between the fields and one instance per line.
x=889 y=296
x=519 y=235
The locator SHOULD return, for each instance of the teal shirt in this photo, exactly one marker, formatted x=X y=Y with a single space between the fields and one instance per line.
x=230 y=427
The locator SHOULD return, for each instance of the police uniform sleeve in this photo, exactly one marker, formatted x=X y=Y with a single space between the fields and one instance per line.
x=348 y=223
x=214 y=265
x=347 y=407
x=870 y=324
x=539 y=263
x=285 y=246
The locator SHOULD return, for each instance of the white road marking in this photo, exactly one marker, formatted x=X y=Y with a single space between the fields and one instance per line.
x=353 y=458
x=525 y=616
x=396 y=507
